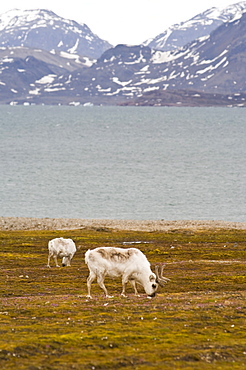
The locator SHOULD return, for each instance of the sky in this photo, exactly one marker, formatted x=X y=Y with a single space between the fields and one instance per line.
x=121 y=22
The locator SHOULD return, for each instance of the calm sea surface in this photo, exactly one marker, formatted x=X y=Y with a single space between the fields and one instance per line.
x=123 y=162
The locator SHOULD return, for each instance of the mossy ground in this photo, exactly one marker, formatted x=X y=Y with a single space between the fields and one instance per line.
x=196 y=322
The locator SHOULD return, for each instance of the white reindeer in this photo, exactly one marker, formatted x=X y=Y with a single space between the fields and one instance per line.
x=60 y=247
x=130 y=264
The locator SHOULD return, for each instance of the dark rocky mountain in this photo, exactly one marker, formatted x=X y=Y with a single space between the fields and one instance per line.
x=36 y=44
x=22 y=68
x=105 y=82
x=201 y=25
x=208 y=71
x=18 y=78
x=214 y=66
x=45 y=30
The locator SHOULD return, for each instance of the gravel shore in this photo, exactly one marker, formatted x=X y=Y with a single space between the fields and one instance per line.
x=25 y=223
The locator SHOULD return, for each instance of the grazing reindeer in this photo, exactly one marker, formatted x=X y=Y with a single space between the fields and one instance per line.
x=130 y=264
x=60 y=247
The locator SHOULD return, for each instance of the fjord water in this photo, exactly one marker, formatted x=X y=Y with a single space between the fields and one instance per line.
x=123 y=162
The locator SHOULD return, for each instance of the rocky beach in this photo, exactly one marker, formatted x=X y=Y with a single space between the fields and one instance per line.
x=26 y=223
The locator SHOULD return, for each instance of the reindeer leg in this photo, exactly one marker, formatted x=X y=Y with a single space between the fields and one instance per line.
x=125 y=280
x=90 y=279
x=55 y=258
x=124 y=288
x=69 y=260
x=48 y=263
x=100 y=281
x=133 y=284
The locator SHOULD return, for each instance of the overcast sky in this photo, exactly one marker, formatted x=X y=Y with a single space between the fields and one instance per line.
x=126 y=21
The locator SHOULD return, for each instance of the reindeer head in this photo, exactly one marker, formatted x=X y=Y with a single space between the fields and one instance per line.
x=155 y=280
x=152 y=286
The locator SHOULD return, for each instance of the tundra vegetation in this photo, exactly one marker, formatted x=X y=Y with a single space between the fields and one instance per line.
x=197 y=321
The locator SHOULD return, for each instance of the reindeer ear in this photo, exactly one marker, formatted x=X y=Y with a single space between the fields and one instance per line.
x=151 y=278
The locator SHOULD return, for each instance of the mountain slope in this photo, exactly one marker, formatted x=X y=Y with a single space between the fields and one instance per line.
x=215 y=65
x=208 y=71
x=45 y=30
x=19 y=76
x=59 y=61
x=201 y=25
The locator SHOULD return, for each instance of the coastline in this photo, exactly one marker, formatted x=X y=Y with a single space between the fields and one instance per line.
x=32 y=223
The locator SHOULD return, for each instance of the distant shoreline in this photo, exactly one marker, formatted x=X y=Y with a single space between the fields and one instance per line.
x=30 y=223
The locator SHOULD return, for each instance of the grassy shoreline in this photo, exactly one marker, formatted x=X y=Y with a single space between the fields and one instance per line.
x=196 y=322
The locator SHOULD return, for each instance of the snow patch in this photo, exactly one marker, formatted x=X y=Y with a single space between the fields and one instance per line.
x=153 y=88
x=122 y=83
x=46 y=79
x=74 y=48
x=34 y=92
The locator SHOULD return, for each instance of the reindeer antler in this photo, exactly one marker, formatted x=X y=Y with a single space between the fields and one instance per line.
x=160 y=279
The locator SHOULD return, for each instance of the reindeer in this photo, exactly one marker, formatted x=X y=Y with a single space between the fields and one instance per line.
x=60 y=247
x=130 y=264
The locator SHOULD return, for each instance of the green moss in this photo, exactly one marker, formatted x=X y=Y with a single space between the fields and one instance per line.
x=195 y=322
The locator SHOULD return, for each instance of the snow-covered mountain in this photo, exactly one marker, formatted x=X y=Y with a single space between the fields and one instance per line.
x=215 y=65
x=201 y=25
x=45 y=30
x=208 y=71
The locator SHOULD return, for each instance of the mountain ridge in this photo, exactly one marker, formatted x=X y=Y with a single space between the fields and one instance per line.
x=201 y=25
x=210 y=67
x=46 y=30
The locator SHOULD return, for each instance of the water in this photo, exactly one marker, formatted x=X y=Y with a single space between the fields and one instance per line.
x=123 y=162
